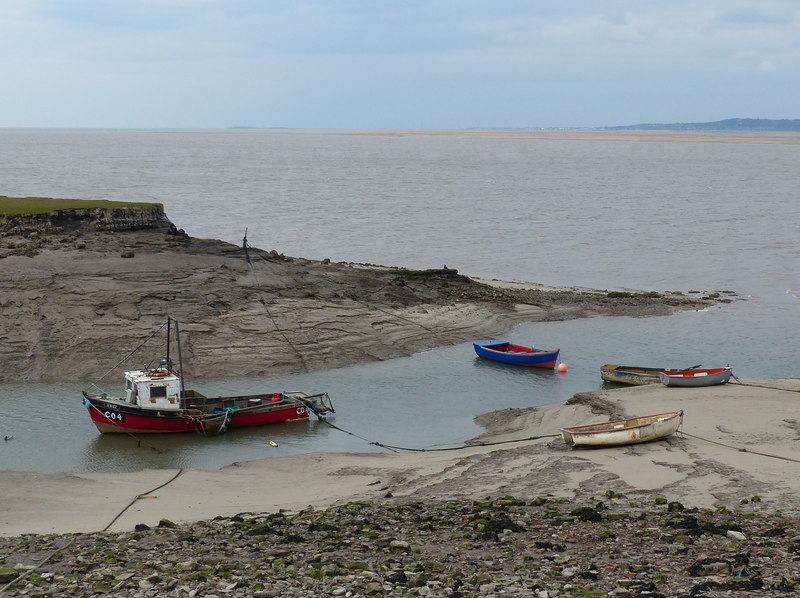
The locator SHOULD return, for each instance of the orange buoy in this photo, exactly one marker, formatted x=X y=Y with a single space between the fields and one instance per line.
x=562 y=367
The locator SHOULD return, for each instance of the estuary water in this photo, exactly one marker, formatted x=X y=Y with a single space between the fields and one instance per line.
x=646 y=215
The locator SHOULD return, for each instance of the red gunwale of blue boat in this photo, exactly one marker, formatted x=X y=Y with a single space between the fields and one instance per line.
x=506 y=352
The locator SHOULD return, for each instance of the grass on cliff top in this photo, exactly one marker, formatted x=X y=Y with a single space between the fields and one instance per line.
x=14 y=206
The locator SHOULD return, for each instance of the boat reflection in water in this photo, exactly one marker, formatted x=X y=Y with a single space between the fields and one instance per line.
x=130 y=453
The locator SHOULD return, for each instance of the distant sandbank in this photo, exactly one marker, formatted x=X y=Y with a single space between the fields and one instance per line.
x=774 y=137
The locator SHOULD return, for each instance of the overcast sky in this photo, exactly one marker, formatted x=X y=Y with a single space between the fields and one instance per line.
x=395 y=64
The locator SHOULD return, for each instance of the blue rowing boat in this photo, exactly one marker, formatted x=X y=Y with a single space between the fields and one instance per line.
x=507 y=352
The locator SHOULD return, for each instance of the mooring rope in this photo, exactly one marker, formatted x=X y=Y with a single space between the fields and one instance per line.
x=741 y=449
x=395 y=449
x=129 y=355
x=466 y=446
x=285 y=336
x=740 y=383
x=261 y=300
x=24 y=574
x=139 y=497
x=282 y=332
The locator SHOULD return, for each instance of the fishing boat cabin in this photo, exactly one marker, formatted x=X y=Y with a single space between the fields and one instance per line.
x=155 y=389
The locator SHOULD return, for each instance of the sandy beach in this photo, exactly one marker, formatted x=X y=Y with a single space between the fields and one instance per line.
x=738 y=441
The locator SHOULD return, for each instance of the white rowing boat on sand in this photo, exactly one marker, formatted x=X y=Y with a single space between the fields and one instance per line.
x=618 y=432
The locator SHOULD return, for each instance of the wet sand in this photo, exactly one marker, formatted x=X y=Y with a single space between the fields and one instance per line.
x=738 y=441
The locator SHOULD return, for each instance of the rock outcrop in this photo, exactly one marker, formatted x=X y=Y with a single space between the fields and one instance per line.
x=92 y=219
x=80 y=290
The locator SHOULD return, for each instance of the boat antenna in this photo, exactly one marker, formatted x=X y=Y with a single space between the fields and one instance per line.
x=180 y=356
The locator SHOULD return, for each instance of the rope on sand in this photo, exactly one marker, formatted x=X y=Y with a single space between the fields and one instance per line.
x=741 y=449
x=24 y=574
x=740 y=383
x=529 y=438
x=139 y=497
x=433 y=450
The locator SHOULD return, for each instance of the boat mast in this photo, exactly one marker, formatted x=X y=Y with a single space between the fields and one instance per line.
x=169 y=322
x=180 y=356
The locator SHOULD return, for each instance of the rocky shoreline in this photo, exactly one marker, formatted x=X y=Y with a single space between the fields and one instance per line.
x=81 y=290
x=503 y=547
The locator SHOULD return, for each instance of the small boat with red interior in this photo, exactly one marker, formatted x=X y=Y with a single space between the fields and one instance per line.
x=155 y=400
x=506 y=352
x=696 y=378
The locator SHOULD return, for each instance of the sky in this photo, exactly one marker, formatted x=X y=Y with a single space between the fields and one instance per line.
x=395 y=64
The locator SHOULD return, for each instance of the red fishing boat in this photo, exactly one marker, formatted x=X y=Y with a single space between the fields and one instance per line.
x=155 y=400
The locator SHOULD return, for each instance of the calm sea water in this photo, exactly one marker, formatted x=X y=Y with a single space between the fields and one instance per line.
x=600 y=214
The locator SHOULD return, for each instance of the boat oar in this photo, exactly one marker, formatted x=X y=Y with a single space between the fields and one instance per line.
x=694 y=367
